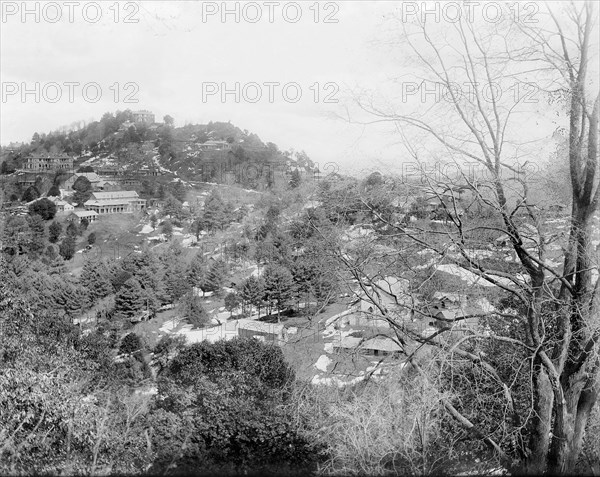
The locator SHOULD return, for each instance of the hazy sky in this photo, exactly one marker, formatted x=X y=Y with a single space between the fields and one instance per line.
x=179 y=55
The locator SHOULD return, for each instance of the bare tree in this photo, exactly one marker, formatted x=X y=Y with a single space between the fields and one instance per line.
x=557 y=308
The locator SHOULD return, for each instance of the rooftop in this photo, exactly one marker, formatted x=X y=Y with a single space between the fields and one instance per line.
x=118 y=194
x=85 y=213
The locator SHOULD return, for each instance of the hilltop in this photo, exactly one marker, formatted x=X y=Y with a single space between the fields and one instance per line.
x=217 y=151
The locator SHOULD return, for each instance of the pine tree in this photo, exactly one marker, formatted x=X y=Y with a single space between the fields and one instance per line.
x=215 y=277
x=197 y=271
x=30 y=194
x=251 y=292
x=216 y=212
x=130 y=299
x=279 y=287
x=176 y=282
x=95 y=278
x=54 y=191
x=54 y=232
x=67 y=247
x=193 y=311
x=38 y=234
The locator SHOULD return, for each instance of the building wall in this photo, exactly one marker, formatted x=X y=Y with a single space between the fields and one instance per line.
x=146 y=117
x=48 y=163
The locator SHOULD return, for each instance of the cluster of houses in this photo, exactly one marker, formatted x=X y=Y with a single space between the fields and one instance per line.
x=389 y=299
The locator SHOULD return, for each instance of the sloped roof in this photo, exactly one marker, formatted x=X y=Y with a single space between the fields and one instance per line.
x=107 y=202
x=90 y=176
x=84 y=213
x=379 y=343
x=260 y=326
x=117 y=194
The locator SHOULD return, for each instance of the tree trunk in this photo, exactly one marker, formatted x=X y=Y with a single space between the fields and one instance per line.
x=540 y=424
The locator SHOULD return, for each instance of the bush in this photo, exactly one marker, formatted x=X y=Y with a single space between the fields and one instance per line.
x=234 y=398
x=130 y=343
x=91 y=238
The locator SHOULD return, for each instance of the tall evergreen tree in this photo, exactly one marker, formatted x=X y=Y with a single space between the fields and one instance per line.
x=67 y=247
x=130 y=299
x=251 y=292
x=95 y=279
x=38 y=234
x=54 y=191
x=215 y=277
x=279 y=287
x=54 y=231
x=31 y=193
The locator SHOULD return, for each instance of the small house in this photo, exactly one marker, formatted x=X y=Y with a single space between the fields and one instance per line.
x=387 y=293
x=273 y=333
x=78 y=215
x=62 y=206
x=377 y=346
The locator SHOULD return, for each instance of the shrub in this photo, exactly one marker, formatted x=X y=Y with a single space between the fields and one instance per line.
x=130 y=343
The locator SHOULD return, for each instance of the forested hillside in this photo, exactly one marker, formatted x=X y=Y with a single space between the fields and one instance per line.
x=194 y=152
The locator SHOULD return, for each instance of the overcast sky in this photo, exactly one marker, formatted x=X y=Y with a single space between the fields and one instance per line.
x=171 y=59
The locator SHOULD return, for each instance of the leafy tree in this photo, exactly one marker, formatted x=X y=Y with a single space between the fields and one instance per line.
x=91 y=240
x=83 y=225
x=85 y=169
x=7 y=167
x=67 y=247
x=169 y=121
x=153 y=221
x=83 y=190
x=172 y=207
x=166 y=349
x=232 y=301
x=31 y=193
x=16 y=235
x=45 y=208
x=72 y=229
x=374 y=180
x=130 y=299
